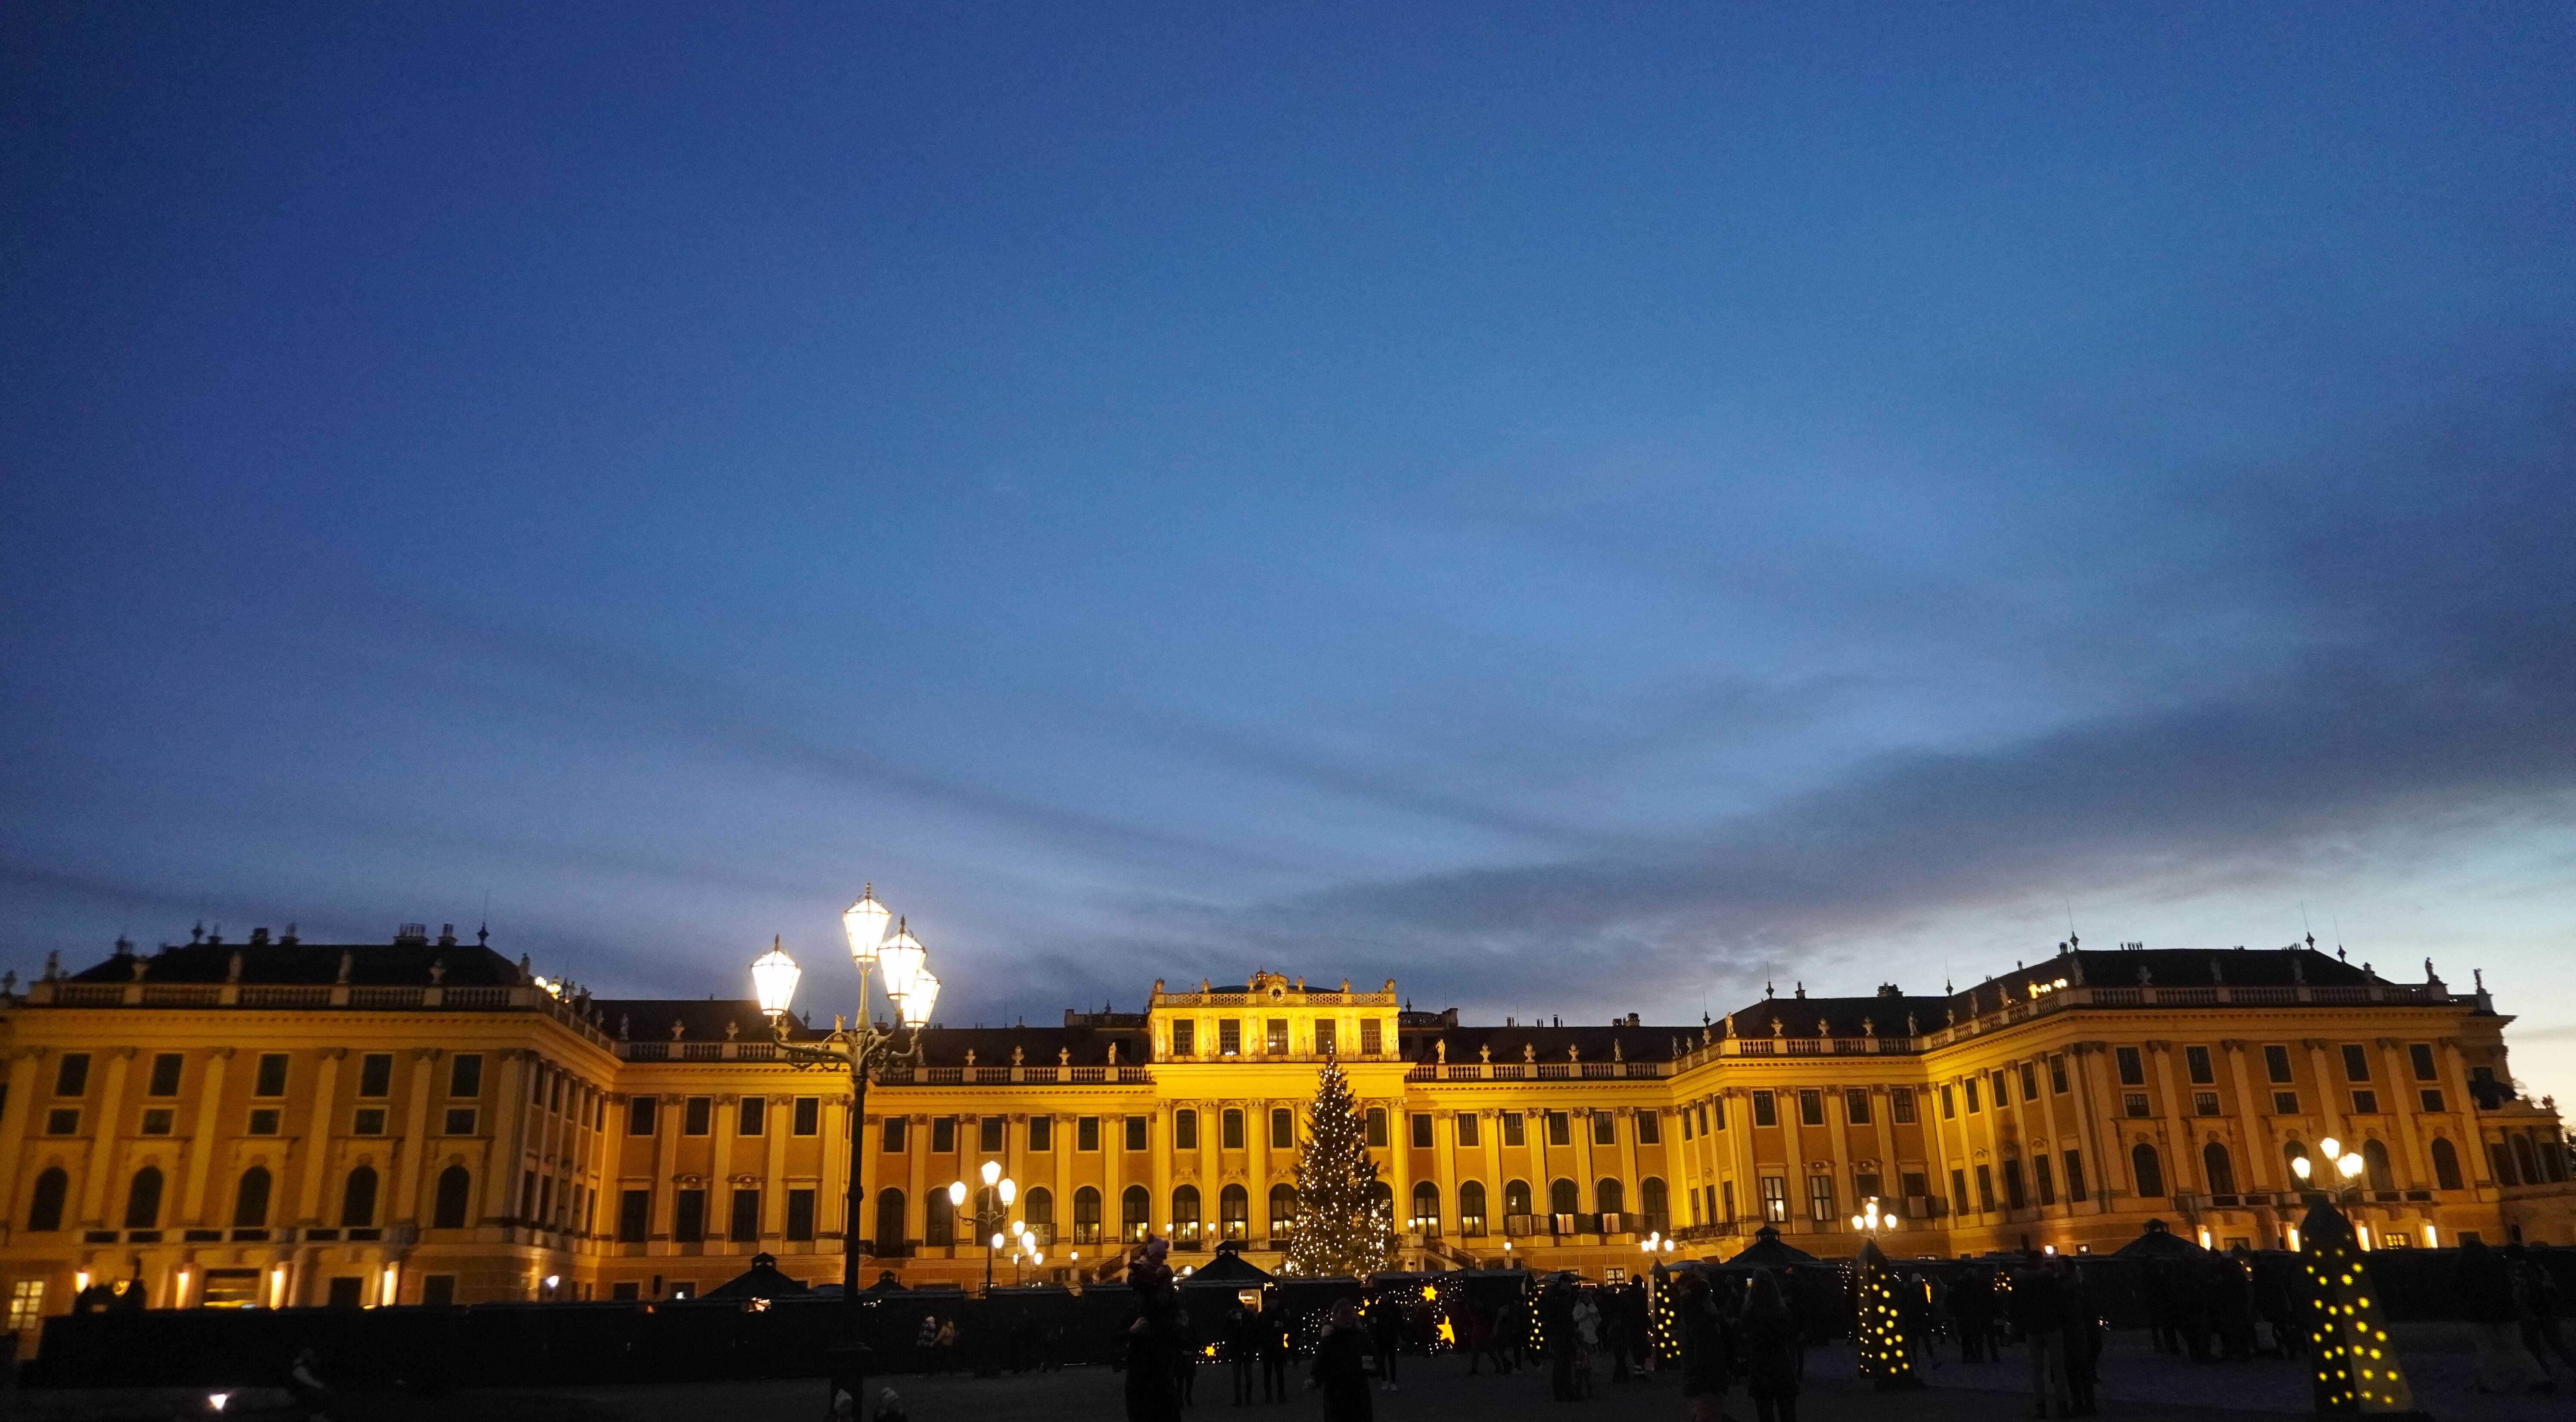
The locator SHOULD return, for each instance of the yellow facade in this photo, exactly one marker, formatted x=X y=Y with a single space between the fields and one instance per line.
x=432 y=1123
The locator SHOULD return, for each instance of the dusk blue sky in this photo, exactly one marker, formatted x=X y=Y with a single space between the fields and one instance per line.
x=1581 y=509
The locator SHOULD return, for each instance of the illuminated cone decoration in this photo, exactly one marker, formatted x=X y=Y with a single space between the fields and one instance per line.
x=1886 y=1357
x=1663 y=1320
x=2355 y=1367
x=1341 y=1228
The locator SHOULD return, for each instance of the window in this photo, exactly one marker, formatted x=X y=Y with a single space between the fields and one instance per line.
x=1086 y=1133
x=1086 y=1216
x=460 y=1121
x=465 y=1074
x=1283 y=1128
x=1900 y=1105
x=2002 y=1081
x=2356 y=1063
x=2075 y=1176
x=1969 y=1087
x=1038 y=1207
x=250 y=1199
x=1949 y=1103
x=2016 y=1193
x=1712 y=1116
x=2135 y=1103
x=1811 y=1107
x=358 y=1198
x=753 y=1116
x=165 y=1074
x=634 y=1215
x=1914 y=1185
x=1560 y=1129
x=1185 y=1039
x=270 y=1077
x=1230 y=1129
x=1856 y=1105
x=2150 y=1171
x=264 y=1121
x=1275 y=1038
x=1563 y=1198
x=454 y=1197
x=1376 y=1127
x=2430 y=1101
x=2374 y=1156
x=2043 y=1179
x=939 y=1219
x=1467 y=1135
x=2219 y=1167
x=2030 y=1081
x=746 y=1216
x=26 y=1305
x=1686 y=1123
x=2446 y=1165
x=1766 y=1109
x=158 y=1120
x=2132 y=1064
x=2285 y=1103
x=1729 y=1197
x=2420 y=1056
x=65 y=1121
x=806 y=1119
x=45 y=1211
x=1283 y=1209
x=367 y=1121
x=1515 y=1130
x=1986 y=1189
x=2204 y=1103
x=643 y=1115
x=689 y=1216
x=1042 y=1133
x=943 y=1135
x=1650 y=1129
x=1185 y=1128
x=1371 y=1042
x=2197 y=1062
x=1327 y=1037
x=1471 y=1208
x=2057 y=1075
x=1185 y=1216
x=1609 y=1197
x=1516 y=1197
x=2365 y=1103
x=1229 y=1037
x=2276 y=1065
x=1605 y=1128
x=697 y=1115
x=1136 y=1132
x=376 y=1074
x=71 y=1075
x=988 y=1135
x=1422 y=1130
x=1775 y=1198
x=891 y=1132
x=1820 y=1198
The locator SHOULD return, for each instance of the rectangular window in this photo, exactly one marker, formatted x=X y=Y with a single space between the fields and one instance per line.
x=697 y=1115
x=2195 y=1060
x=1230 y=1129
x=264 y=1121
x=1811 y=1106
x=1515 y=1128
x=1422 y=1130
x=26 y=1305
x=1916 y=1186
x=2432 y=1101
x=2276 y=1064
x=1185 y=1038
x=1041 y=1133
x=367 y=1121
x=1775 y=1198
x=634 y=1216
x=1766 y=1109
x=1900 y=1105
x=2285 y=1103
x=1970 y=1087
x=1229 y=1037
x=643 y=1115
x=2136 y=1104
x=2057 y=1075
x=689 y=1216
x=1856 y=1105
x=2204 y=1103
x=1820 y=1199
x=1136 y=1132
x=1327 y=1037
x=988 y=1135
x=2075 y=1176
x=1650 y=1127
x=376 y=1074
x=158 y=1120
x=2016 y=1194
x=943 y=1135
x=1605 y=1128
x=1467 y=1137
x=1275 y=1037
x=1560 y=1129
x=753 y=1116
x=165 y=1074
x=2420 y=1056
x=1949 y=1103
x=270 y=1078
x=465 y=1074
x=1185 y=1129
x=1712 y=1116
x=2030 y=1081
x=1372 y=1040
x=2365 y=1103
x=1985 y=1189
x=2003 y=1088
x=1376 y=1123
x=1727 y=1197
x=1686 y=1123
x=800 y=1215
x=1864 y=1187
x=2133 y=1066
x=2356 y=1063
x=1959 y=1192
x=746 y=1216
x=71 y=1075
x=460 y=1121
x=1086 y=1133
x=2045 y=1178
x=805 y=1118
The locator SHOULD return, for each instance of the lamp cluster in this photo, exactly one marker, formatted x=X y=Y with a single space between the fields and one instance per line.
x=909 y=983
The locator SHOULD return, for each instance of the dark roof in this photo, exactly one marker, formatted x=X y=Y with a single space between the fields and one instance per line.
x=761 y=1281
x=2158 y=1241
x=1228 y=1267
x=1038 y=1046
x=1769 y=1252
x=2082 y=967
x=1842 y=1016
x=406 y=962
x=1648 y=1043
x=701 y=1019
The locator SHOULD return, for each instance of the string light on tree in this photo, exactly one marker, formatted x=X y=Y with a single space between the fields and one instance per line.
x=1342 y=1227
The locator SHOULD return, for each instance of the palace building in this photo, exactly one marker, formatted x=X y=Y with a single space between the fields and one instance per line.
x=273 y=1122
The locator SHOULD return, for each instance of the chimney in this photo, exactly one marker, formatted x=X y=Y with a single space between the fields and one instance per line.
x=258 y=936
x=447 y=935
x=288 y=937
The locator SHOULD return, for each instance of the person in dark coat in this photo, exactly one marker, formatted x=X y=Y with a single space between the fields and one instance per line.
x=1275 y=1350
x=2083 y=1337
x=1705 y=1347
x=2485 y=1282
x=1339 y=1371
x=1556 y=1324
x=1151 y=1348
x=1770 y=1353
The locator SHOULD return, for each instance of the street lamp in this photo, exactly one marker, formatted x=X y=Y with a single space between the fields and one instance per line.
x=1000 y=1189
x=1869 y=1219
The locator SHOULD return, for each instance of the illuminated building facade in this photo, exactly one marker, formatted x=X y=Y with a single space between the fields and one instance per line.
x=272 y=1122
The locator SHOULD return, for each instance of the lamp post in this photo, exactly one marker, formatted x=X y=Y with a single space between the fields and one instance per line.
x=863 y=1048
x=1001 y=1189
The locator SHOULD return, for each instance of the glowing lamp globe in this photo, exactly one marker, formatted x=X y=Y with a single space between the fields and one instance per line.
x=992 y=1171
x=915 y=1004
x=2331 y=1147
x=773 y=979
x=865 y=924
x=1009 y=1188
x=901 y=958
x=2299 y=1166
x=997 y=1241
x=957 y=1194
x=2350 y=1166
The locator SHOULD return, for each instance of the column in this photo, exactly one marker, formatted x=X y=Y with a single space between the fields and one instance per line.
x=1444 y=1164
x=1740 y=1135
x=2401 y=1084
x=2329 y=1099
x=778 y=1118
x=727 y=1125
x=102 y=1140
x=508 y=1134
x=1159 y=1151
x=2264 y=1168
x=317 y=1137
x=916 y=1206
x=1399 y=1141
x=415 y=1137
x=835 y=1202
x=1634 y=1186
x=1838 y=1121
x=2182 y=1163
x=1256 y=1160
x=1060 y=1132
x=666 y=1161
x=205 y=1130
x=17 y=1108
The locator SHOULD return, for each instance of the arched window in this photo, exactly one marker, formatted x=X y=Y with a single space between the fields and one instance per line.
x=1471 y=1208
x=2149 y=1170
x=2446 y=1164
x=1563 y=1198
x=1516 y=1197
x=1426 y=1207
x=1610 y=1195
x=939 y=1220
x=250 y=1199
x=358 y=1198
x=143 y=1199
x=2220 y=1169
x=1185 y=1216
x=1037 y=1211
x=455 y=1198
x=1234 y=1213
x=1135 y=1213
x=1382 y=1195
x=891 y=1223
x=1652 y=1204
x=2291 y=1153
x=45 y=1215
x=1283 y=1210
x=989 y=1218
x=2374 y=1156
x=1086 y=1216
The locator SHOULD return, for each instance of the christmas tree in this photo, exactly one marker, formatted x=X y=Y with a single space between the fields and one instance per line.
x=1886 y=1354
x=2356 y=1370
x=1342 y=1226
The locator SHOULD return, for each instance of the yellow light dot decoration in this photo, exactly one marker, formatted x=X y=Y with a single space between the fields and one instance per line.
x=2342 y=1328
